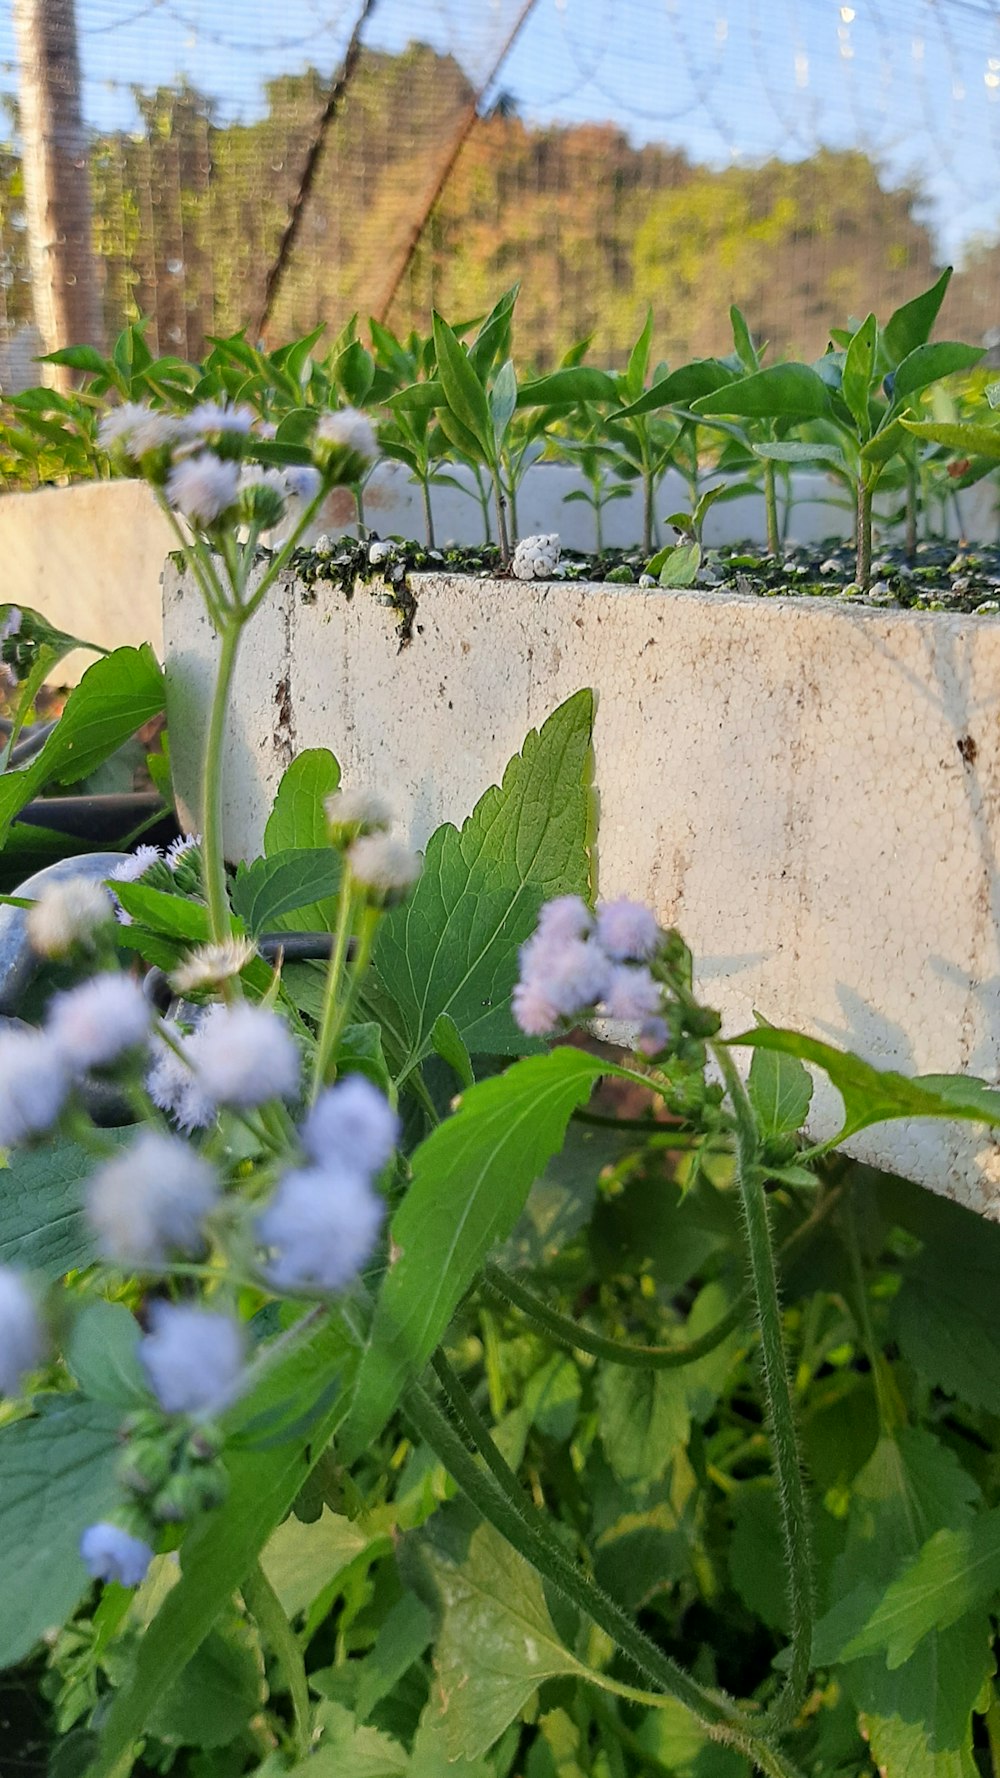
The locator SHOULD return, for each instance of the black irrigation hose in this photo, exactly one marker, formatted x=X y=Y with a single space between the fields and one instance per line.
x=103 y=819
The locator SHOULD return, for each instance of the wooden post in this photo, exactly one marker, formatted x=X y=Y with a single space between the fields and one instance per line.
x=56 y=182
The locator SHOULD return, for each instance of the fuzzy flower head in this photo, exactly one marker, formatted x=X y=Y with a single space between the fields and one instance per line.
x=181 y=848
x=151 y=1201
x=631 y=993
x=384 y=868
x=344 y=443
x=135 y=864
x=94 y=1024
x=218 y=420
x=244 y=1055
x=110 y=1554
x=351 y=813
x=654 y=1035
x=352 y=1125
x=22 y=1336
x=137 y=430
x=193 y=1359
x=211 y=964
x=67 y=915
x=262 y=496
x=203 y=487
x=566 y=917
x=628 y=931
x=319 y=1228
x=302 y=482
x=561 y=977
x=33 y=1085
x=173 y=1085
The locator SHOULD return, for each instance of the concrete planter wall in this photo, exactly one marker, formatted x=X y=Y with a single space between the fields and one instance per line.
x=810 y=791
x=90 y=555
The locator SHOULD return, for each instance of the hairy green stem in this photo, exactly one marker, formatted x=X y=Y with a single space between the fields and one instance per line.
x=211 y=789
x=347 y=901
x=268 y=1613
x=342 y=1005
x=501 y=1501
x=499 y=1285
x=501 y=511
x=791 y=1491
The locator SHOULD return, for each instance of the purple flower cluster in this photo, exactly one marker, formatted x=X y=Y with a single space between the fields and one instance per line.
x=576 y=964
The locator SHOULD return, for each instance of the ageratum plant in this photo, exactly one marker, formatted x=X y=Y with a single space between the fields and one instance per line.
x=412 y=1376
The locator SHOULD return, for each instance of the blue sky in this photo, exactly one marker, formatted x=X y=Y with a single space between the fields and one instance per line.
x=916 y=82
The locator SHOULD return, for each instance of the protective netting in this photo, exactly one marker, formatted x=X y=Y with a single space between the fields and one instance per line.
x=804 y=158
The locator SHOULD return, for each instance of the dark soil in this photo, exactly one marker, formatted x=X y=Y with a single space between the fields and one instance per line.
x=941 y=576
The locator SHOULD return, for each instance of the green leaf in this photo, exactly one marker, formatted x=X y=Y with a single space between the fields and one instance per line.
x=302 y=881
x=429 y=1758
x=783 y=391
x=638 y=362
x=970 y=440
x=176 y=916
x=681 y=388
x=792 y=451
x=470 y=1180
x=266 y=1471
x=497 y=1643
x=884 y=444
x=859 y=375
x=954 y=1573
x=567 y=388
x=943 y=1315
x=745 y=349
x=452 y=947
x=917 y=1717
x=910 y=326
x=780 y=1092
x=57 y=1476
x=925 y=364
x=404 y=1634
x=447 y=1041
x=877 y=1095
x=42 y=1224
x=301 y=1559
x=213 y=1699
x=116 y=695
x=677 y=565
x=347 y=1751
x=462 y=390
x=297 y=821
x=503 y=401
x=643 y=1419
x=102 y=1354
x=86 y=358
x=758 y=1578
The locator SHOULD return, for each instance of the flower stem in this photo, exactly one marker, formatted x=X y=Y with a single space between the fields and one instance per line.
x=503 y=1288
x=211 y=793
x=771 y=508
x=500 y=1499
x=791 y=1491
x=268 y=1613
x=347 y=901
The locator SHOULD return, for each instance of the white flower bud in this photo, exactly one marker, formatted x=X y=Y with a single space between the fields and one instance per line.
x=99 y=1021
x=320 y=1228
x=22 y=1337
x=193 y=1359
x=67 y=914
x=353 y=1125
x=350 y=813
x=243 y=1056
x=349 y=428
x=384 y=867
x=33 y=1085
x=203 y=487
x=151 y=1201
x=211 y=964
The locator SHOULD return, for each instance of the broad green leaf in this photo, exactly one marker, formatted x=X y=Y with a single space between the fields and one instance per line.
x=910 y=326
x=448 y=1044
x=346 y=1750
x=42 y=1225
x=86 y=358
x=883 y=445
x=116 y=695
x=643 y=1419
x=566 y=388
x=638 y=361
x=503 y=400
x=496 y=1644
x=917 y=1717
x=758 y=1578
x=792 y=451
x=682 y=387
x=470 y=1180
x=297 y=820
x=429 y=1758
x=276 y=1434
x=955 y=1572
x=780 y=1090
x=296 y=882
x=745 y=350
x=175 y=916
x=57 y=1476
x=678 y=1744
x=403 y=1636
x=213 y=1699
x=301 y=1559
x=925 y=364
x=677 y=567
x=943 y=1315
x=452 y=947
x=552 y=1397
x=782 y=391
x=877 y=1095
x=102 y=1354
x=959 y=436
x=859 y=374
x=492 y=342
x=462 y=390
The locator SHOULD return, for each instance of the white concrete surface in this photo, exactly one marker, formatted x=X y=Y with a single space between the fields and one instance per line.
x=811 y=792
x=89 y=558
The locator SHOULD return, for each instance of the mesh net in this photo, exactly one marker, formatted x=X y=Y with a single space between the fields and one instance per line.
x=285 y=166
